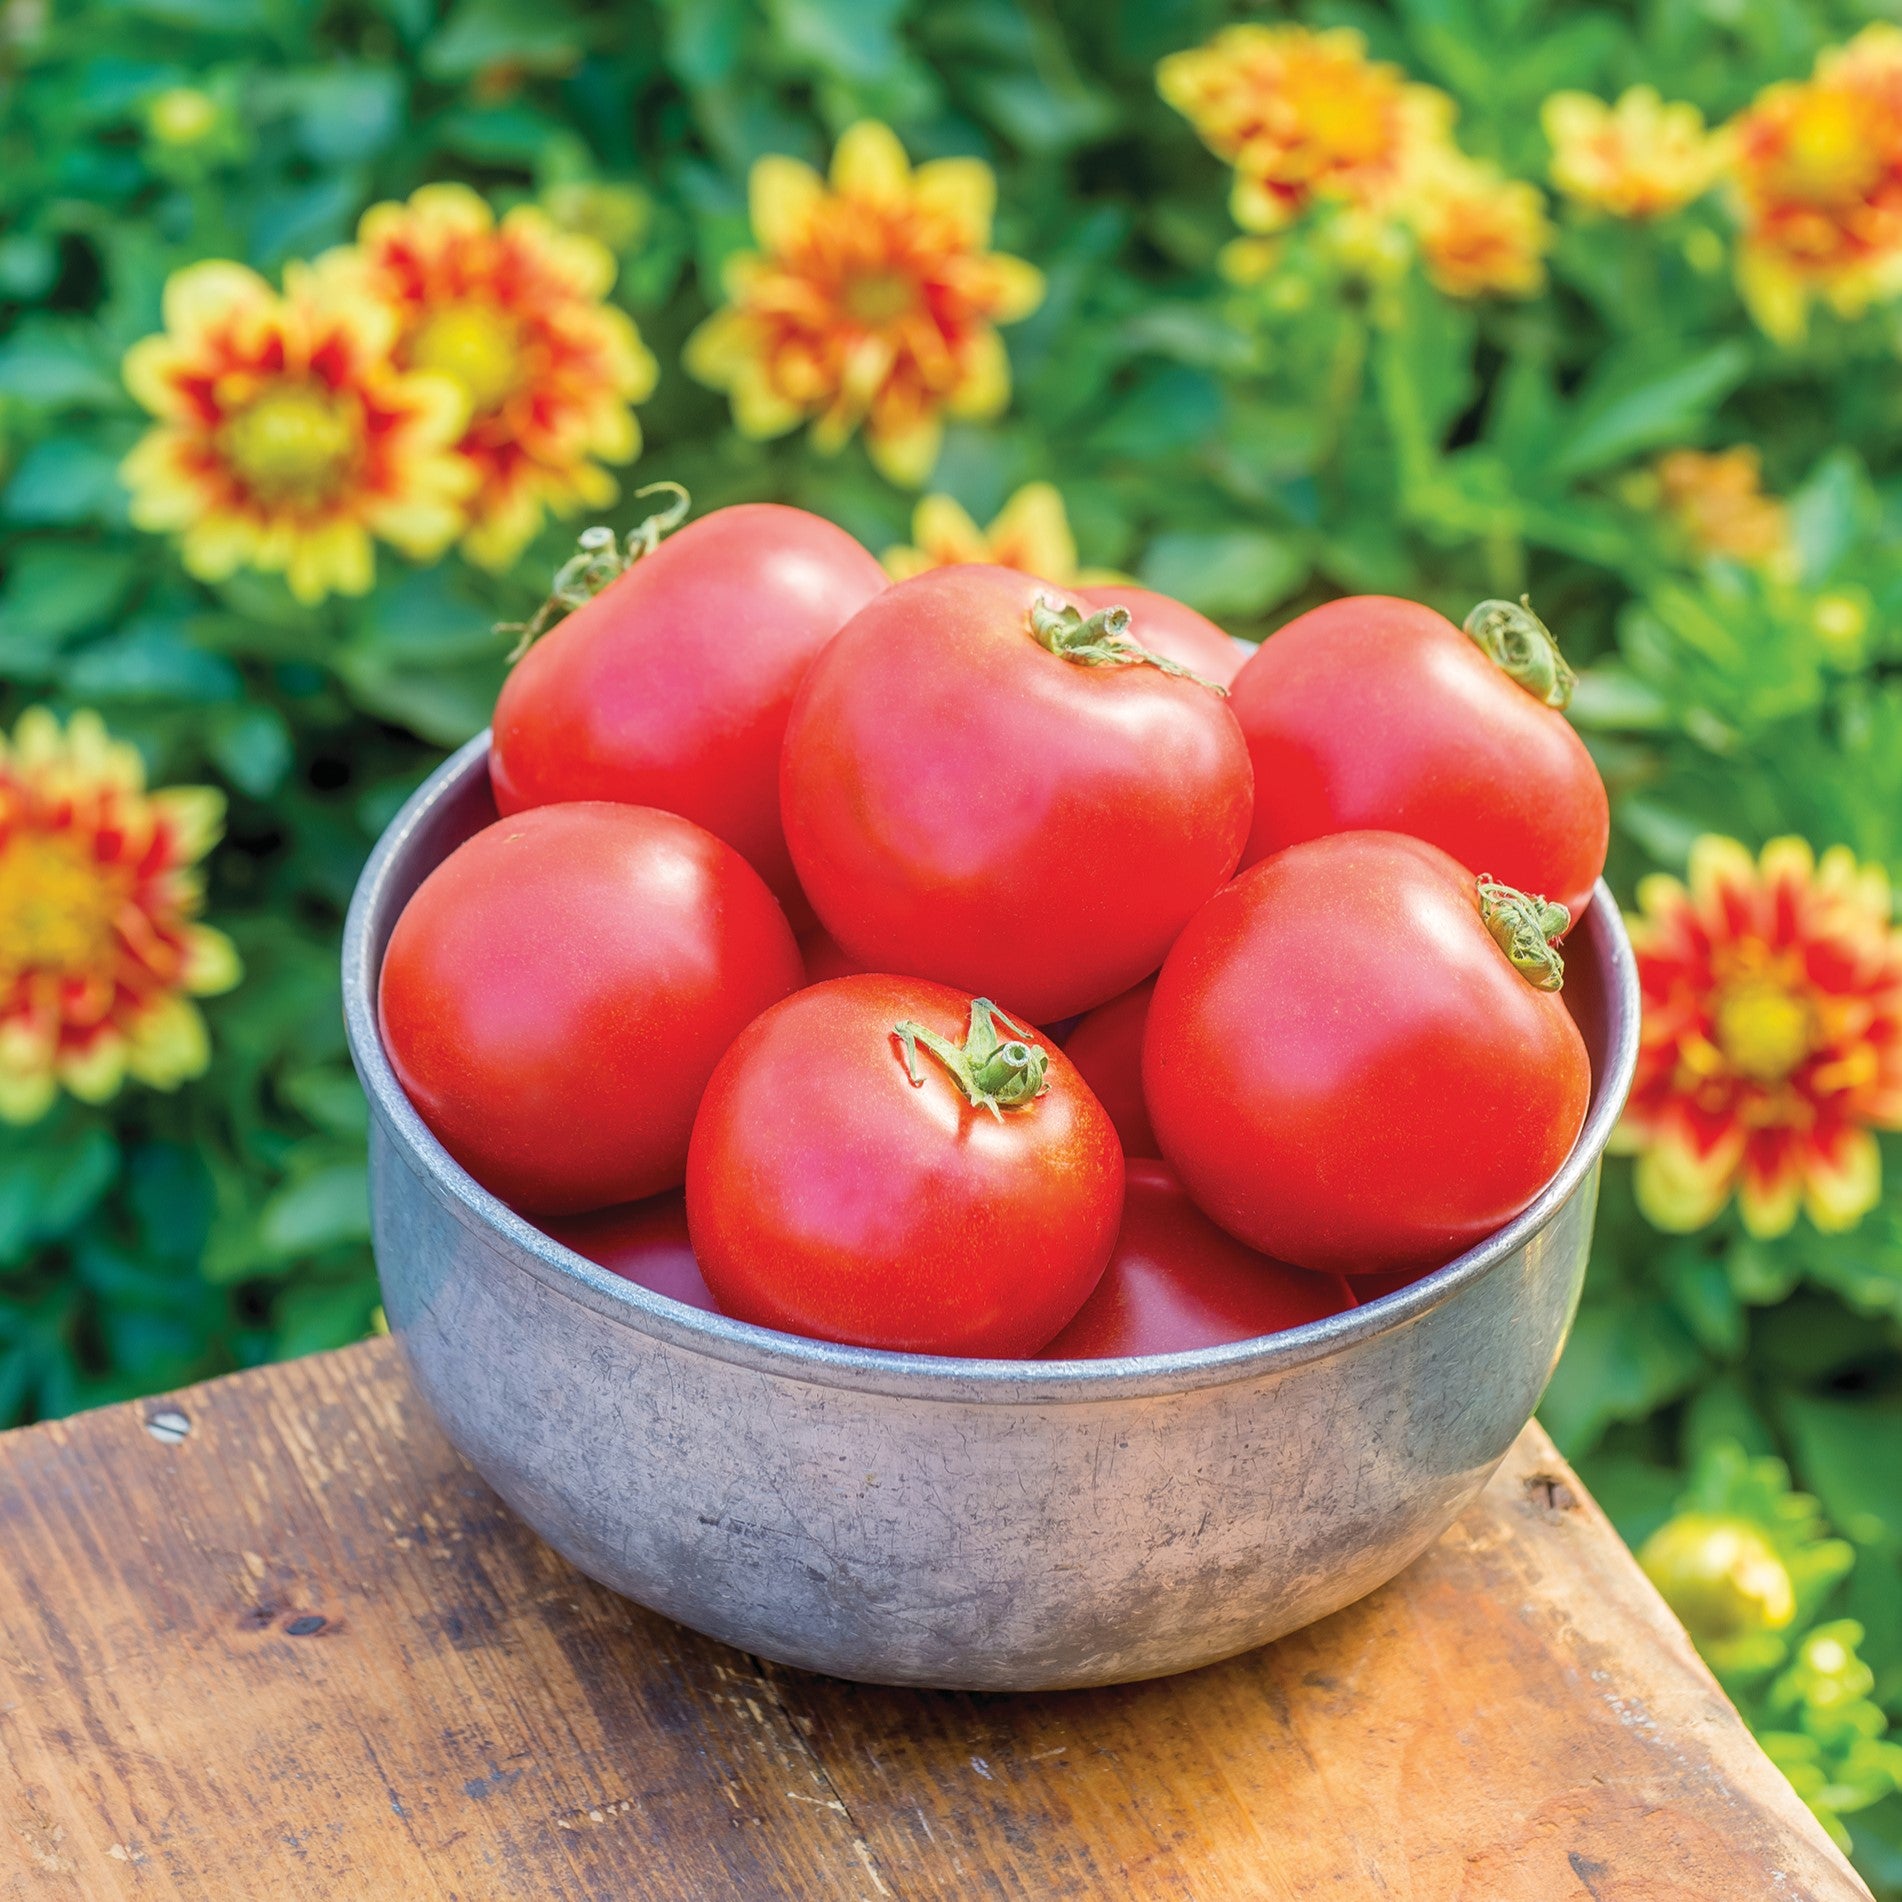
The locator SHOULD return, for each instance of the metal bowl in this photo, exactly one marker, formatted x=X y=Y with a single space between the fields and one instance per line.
x=989 y=1525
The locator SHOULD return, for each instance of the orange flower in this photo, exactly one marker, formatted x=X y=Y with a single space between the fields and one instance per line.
x=513 y=314
x=100 y=953
x=1638 y=159
x=1772 y=1038
x=1030 y=533
x=1818 y=172
x=1302 y=115
x=872 y=300
x=1480 y=233
x=285 y=439
x=1718 y=504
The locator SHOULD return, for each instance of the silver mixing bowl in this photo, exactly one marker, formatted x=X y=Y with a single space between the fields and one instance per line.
x=993 y=1525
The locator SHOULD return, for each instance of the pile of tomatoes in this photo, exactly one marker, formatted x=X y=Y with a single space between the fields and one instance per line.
x=977 y=966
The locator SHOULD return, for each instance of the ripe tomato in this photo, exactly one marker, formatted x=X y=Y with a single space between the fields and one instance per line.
x=1380 y=714
x=671 y=687
x=1347 y=1068
x=979 y=787
x=1176 y=1282
x=557 y=992
x=954 y=1195
x=1167 y=626
x=1107 y=1048
x=641 y=1241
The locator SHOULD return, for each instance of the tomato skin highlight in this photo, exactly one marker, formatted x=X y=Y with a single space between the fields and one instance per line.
x=644 y=1242
x=671 y=687
x=1379 y=714
x=966 y=806
x=1345 y=1070
x=1107 y=1048
x=1167 y=626
x=829 y=1196
x=557 y=991
x=1177 y=1282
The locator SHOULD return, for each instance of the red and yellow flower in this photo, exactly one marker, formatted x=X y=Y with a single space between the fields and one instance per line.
x=513 y=314
x=1818 y=175
x=1640 y=158
x=1303 y=116
x=100 y=949
x=286 y=440
x=872 y=301
x=1771 y=1047
x=1031 y=533
x=1480 y=233
x=1716 y=502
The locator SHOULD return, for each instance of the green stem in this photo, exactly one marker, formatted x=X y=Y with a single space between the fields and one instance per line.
x=596 y=562
x=996 y=1073
x=1516 y=641
x=1102 y=640
x=1524 y=927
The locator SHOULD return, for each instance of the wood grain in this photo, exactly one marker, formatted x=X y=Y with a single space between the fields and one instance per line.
x=304 y=1653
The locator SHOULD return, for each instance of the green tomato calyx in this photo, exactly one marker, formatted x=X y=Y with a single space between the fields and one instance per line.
x=992 y=1071
x=1524 y=927
x=1517 y=642
x=598 y=559
x=1102 y=639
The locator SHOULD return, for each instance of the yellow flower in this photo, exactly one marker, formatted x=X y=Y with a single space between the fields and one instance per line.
x=873 y=300
x=1302 y=116
x=512 y=313
x=100 y=951
x=1717 y=503
x=1030 y=533
x=1771 y=1045
x=1638 y=159
x=1480 y=233
x=1818 y=176
x=285 y=438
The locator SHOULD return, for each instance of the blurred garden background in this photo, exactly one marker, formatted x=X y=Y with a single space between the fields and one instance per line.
x=325 y=327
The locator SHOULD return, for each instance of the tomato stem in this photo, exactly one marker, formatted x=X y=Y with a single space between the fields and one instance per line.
x=997 y=1073
x=1524 y=927
x=597 y=560
x=1517 y=642
x=1102 y=640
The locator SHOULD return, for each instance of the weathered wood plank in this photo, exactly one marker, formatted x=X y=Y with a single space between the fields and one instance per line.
x=304 y=1653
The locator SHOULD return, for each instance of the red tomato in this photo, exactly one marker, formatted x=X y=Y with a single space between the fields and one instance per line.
x=1372 y=713
x=1177 y=1282
x=823 y=957
x=964 y=803
x=1378 y=1287
x=1167 y=626
x=1346 y=1068
x=842 y=1187
x=644 y=1242
x=1107 y=1049
x=557 y=993
x=671 y=687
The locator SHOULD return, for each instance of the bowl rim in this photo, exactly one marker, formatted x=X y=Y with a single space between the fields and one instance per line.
x=927 y=1376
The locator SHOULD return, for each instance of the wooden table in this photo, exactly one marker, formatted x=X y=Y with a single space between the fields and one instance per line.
x=271 y=1639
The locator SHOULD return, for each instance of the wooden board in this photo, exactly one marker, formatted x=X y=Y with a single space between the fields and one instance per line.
x=303 y=1652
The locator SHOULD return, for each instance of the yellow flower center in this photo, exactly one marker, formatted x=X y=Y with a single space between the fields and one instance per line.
x=57 y=905
x=476 y=345
x=1763 y=1027
x=1830 y=153
x=1337 y=110
x=879 y=297
x=296 y=442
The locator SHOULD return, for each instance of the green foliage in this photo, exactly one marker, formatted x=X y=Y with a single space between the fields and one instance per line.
x=1253 y=447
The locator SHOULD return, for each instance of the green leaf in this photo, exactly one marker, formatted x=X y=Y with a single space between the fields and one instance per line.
x=1630 y=406
x=1238 y=573
x=321 y=1211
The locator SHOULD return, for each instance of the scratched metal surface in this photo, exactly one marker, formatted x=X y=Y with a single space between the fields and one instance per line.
x=979 y=1525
